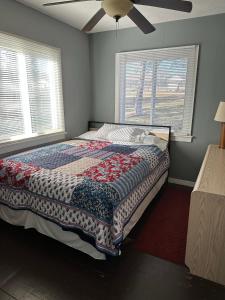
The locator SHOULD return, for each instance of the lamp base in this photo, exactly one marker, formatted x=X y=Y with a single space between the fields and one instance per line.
x=222 y=137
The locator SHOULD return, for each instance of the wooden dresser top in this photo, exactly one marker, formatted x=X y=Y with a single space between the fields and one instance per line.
x=211 y=178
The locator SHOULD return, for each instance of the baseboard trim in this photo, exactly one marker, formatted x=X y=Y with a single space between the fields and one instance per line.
x=181 y=182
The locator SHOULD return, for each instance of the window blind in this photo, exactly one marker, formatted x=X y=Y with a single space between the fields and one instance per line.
x=31 y=102
x=157 y=87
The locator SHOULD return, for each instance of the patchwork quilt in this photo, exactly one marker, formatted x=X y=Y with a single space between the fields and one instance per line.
x=90 y=185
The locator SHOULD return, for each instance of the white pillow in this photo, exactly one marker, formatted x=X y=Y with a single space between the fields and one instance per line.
x=88 y=135
x=113 y=132
x=151 y=139
x=125 y=134
x=104 y=130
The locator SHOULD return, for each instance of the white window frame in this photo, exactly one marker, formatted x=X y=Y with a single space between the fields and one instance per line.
x=20 y=143
x=174 y=137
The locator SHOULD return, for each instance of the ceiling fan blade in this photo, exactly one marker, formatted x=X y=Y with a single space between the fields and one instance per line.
x=140 y=21
x=180 y=5
x=62 y=2
x=94 y=20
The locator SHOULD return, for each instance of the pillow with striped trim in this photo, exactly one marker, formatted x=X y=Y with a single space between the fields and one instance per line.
x=125 y=134
x=104 y=130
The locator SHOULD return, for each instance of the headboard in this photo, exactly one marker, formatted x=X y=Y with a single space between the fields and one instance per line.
x=97 y=124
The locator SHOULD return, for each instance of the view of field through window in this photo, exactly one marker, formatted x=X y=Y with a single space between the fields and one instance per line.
x=153 y=92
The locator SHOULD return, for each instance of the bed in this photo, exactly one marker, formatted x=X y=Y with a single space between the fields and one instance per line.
x=88 y=192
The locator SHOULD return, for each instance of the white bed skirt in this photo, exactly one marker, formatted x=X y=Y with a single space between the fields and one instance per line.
x=28 y=220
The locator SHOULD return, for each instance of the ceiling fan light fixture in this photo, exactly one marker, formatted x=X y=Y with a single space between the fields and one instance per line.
x=121 y=8
x=117 y=8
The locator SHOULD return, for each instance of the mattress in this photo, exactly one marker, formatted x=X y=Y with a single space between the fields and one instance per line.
x=29 y=220
x=90 y=186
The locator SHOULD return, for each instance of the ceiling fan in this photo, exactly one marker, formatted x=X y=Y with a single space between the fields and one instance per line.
x=121 y=8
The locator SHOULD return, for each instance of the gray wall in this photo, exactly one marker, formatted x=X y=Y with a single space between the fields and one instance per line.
x=19 y=19
x=209 y=33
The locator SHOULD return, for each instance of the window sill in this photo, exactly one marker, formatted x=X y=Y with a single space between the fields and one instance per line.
x=12 y=146
x=182 y=138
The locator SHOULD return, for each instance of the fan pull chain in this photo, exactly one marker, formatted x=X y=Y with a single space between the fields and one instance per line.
x=117 y=27
x=116 y=30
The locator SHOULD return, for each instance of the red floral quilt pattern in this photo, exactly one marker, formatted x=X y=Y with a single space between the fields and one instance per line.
x=95 y=145
x=15 y=174
x=112 y=168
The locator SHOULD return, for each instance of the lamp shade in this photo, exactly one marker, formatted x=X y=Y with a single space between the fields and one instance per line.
x=220 y=115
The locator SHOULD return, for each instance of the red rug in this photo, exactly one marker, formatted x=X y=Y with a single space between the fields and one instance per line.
x=164 y=232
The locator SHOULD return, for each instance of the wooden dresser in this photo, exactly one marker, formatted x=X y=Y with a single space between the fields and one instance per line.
x=205 y=252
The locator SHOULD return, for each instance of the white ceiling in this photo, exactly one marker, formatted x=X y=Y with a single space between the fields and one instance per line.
x=78 y=14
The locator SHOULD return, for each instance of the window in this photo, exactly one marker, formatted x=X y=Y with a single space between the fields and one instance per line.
x=157 y=87
x=31 y=102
